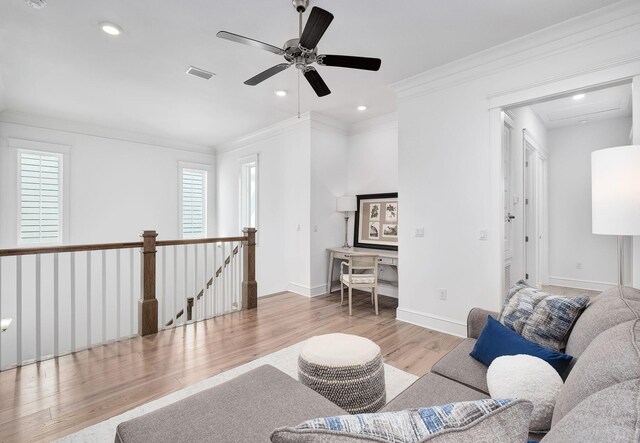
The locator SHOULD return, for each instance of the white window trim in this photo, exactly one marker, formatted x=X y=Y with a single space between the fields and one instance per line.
x=244 y=161
x=45 y=148
x=207 y=191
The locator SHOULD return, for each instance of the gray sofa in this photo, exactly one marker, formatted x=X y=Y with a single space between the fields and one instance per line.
x=599 y=402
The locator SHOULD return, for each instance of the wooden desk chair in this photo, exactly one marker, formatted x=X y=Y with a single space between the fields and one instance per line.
x=364 y=280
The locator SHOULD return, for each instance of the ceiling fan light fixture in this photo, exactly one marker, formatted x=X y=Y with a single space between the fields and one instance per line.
x=280 y=92
x=110 y=28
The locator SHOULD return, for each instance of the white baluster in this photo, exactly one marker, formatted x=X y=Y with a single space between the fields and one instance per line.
x=163 y=251
x=38 y=308
x=56 y=318
x=0 y=312
x=132 y=295
x=118 y=294
x=224 y=277
x=204 y=284
x=88 y=299
x=175 y=286
x=195 y=283
x=19 y=310
x=72 y=270
x=186 y=278
x=214 y=285
x=104 y=296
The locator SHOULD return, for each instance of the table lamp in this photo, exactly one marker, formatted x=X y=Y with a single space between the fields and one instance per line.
x=346 y=204
x=615 y=195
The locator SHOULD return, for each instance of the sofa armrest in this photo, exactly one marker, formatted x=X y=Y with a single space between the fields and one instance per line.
x=476 y=320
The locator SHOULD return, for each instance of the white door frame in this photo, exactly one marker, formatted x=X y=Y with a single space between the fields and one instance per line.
x=502 y=100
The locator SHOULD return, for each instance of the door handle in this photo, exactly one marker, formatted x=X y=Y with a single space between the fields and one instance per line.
x=510 y=217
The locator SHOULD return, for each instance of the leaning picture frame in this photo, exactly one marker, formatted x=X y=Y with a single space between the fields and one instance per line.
x=376 y=221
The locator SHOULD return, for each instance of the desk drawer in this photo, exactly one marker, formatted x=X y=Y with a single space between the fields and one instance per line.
x=387 y=261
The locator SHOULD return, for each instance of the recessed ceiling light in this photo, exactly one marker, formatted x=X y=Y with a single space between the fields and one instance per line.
x=579 y=96
x=280 y=92
x=110 y=28
x=362 y=108
x=582 y=122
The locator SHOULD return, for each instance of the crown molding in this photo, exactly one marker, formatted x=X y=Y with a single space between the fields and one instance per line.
x=380 y=123
x=324 y=122
x=619 y=18
x=263 y=134
x=53 y=124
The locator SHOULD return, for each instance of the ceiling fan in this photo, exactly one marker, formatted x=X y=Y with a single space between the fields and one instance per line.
x=302 y=52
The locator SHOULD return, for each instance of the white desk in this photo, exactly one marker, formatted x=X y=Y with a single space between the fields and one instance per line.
x=389 y=258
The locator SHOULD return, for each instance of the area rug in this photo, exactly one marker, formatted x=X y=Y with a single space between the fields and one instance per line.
x=286 y=360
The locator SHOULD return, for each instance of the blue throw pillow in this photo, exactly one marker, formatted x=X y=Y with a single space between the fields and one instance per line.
x=497 y=340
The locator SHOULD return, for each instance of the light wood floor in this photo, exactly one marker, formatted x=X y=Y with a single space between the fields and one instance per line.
x=45 y=401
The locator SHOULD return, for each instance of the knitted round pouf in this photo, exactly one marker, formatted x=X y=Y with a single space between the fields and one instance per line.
x=345 y=369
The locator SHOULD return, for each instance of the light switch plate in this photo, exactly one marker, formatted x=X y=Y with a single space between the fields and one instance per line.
x=419 y=232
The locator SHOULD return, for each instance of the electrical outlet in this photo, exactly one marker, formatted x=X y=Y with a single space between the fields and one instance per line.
x=484 y=235
x=419 y=232
x=443 y=294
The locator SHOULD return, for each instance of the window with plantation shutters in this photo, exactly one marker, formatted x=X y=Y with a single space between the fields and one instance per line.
x=40 y=197
x=194 y=187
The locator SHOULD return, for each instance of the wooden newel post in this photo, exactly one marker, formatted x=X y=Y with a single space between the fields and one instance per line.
x=148 y=304
x=249 y=284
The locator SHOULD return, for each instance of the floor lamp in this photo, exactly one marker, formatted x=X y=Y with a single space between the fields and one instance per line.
x=615 y=195
x=346 y=204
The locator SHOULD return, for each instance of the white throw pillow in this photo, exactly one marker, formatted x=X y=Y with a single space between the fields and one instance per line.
x=530 y=378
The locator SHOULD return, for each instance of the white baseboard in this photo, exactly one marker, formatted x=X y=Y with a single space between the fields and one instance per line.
x=437 y=323
x=307 y=291
x=580 y=284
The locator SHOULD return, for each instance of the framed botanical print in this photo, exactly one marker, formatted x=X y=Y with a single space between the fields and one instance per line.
x=376 y=222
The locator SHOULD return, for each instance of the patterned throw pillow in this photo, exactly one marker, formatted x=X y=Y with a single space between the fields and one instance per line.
x=409 y=426
x=541 y=317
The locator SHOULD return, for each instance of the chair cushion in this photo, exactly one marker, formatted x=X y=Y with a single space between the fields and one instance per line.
x=418 y=425
x=611 y=358
x=358 y=279
x=541 y=317
x=432 y=390
x=496 y=340
x=611 y=415
x=458 y=365
x=246 y=408
x=612 y=307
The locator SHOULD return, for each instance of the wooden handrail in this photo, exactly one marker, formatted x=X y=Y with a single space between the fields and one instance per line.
x=68 y=248
x=198 y=241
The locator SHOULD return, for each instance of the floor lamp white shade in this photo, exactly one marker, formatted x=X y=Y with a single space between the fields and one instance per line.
x=615 y=190
x=615 y=195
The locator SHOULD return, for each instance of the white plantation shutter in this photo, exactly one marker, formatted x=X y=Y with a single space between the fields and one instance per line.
x=193 y=203
x=40 y=197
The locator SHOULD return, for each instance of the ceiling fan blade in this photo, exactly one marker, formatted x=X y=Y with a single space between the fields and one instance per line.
x=318 y=22
x=316 y=82
x=249 y=41
x=348 y=61
x=266 y=74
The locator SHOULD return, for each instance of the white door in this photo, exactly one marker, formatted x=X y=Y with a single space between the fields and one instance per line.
x=530 y=216
x=507 y=199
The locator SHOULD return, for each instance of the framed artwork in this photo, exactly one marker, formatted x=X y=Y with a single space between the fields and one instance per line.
x=376 y=222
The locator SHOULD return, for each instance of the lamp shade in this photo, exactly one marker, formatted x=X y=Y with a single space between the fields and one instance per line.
x=346 y=204
x=615 y=190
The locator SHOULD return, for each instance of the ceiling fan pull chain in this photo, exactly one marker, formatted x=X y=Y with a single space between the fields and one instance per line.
x=298 y=94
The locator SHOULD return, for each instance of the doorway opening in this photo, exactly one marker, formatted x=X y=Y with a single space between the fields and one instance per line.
x=546 y=188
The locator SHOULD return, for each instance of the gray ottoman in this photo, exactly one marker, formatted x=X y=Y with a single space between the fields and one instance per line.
x=346 y=369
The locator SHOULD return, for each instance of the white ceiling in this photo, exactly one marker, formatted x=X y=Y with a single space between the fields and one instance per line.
x=602 y=104
x=56 y=62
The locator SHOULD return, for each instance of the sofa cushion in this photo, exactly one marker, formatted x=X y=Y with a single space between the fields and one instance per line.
x=458 y=365
x=541 y=317
x=609 y=309
x=432 y=390
x=611 y=415
x=417 y=425
x=496 y=340
x=246 y=408
x=612 y=358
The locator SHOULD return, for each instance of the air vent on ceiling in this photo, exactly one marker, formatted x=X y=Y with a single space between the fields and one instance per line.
x=36 y=4
x=200 y=72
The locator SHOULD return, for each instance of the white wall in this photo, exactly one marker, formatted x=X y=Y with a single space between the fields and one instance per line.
x=571 y=240
x=117 y=187
x=283 y=251
x=449 y=169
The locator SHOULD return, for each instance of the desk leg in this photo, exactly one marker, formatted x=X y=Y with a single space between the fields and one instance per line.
x=330 y=272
